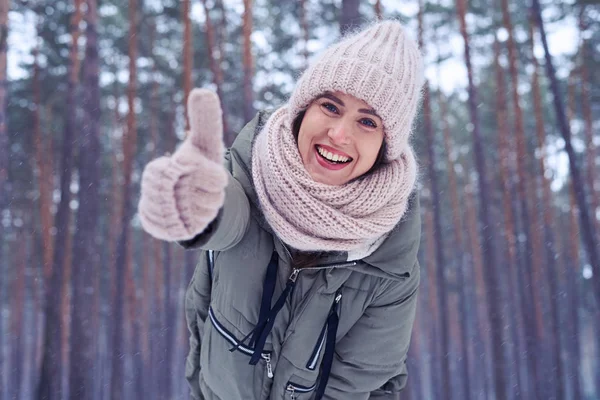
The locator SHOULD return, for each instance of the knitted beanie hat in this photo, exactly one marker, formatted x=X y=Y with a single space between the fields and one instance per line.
x=380 y=65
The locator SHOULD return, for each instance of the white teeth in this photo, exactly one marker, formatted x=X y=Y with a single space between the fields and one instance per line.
x=330 y=156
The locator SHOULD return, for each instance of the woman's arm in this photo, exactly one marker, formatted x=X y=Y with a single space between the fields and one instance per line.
x=373 y=353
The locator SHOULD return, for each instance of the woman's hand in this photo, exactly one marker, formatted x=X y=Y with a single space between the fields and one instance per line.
x=181 y=194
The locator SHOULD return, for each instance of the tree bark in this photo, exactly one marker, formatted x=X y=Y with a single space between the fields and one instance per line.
x=350 y=15
x=481 y=297
x=188 y=51
x=44 y=175
x=525 y=342
x=215 y=57
x=5 y=189
x=440 y=262
x=527 y=191
x=17 y=305
x=590 y=148
x=434 y=343
x=570 y=258
x=492 y=277
x=378 y=10
x=305 y=32
x=586 y=225
x=85 y=256
x=248 y=61
x=50 y=384
x=121 y=262
x=4 y=153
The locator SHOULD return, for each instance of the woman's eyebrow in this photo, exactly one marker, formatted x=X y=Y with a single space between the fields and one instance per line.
x=333 y=98
x=341 y=103
x=369 y=111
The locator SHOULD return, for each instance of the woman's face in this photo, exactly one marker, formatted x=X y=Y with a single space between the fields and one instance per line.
x=339 y=138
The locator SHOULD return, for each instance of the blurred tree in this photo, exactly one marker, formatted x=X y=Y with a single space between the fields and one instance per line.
x=85 y=258
x=50 y=384
x=5 y=192
x=587 y=224
x=440 y=261
x=122 y=258
x=350 y=15
x=248 y=61
x=489 y=247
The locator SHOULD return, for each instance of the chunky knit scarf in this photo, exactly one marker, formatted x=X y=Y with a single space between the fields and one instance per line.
x=313 y=216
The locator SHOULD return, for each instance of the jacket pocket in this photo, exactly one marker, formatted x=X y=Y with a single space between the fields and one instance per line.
x=296 y=391
x=312 y=362
x=237 y=345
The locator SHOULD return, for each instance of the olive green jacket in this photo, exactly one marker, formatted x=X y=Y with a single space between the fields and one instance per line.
x=374 y=301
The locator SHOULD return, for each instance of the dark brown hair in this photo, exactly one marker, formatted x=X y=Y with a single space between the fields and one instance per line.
x=303 y=259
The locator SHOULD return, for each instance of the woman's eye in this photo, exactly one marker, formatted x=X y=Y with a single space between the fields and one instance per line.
x=368 y=122
x=330 y=107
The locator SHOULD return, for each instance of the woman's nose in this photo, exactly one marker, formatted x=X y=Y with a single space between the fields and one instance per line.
x=340 y=134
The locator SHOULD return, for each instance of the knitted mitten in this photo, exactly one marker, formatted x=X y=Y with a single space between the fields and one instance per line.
x=182 y=194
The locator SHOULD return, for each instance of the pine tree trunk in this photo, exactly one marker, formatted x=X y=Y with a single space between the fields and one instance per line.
x=463 y=285
x=4 y=154
x=50 y=385
x=434 y=343
x=481 y=298
x=84 y=248
x=527 y=190
x=121 y=262
x=440 y=262
x=587 y=226
x=215 y=56
x=492 y=277
x=17 y=307
x=378 y=10
x=168 y=321
x=66 y=312
x=517 y=302
x=187 y=59
x=248 y=61
x=305 y=32
x=44 y=168
x=570 y=257
x=350 y=15
x=590 y=148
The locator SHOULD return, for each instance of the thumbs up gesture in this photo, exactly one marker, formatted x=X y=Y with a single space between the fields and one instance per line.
x=181 y=194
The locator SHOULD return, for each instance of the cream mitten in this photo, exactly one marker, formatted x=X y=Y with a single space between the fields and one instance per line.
x=181 y=194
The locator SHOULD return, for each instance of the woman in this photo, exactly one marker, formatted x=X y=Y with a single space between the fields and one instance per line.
x=307 y=288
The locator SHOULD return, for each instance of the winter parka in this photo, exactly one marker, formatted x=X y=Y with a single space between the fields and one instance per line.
x=261 y=330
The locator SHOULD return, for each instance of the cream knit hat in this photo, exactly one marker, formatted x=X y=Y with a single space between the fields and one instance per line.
x=380 y=65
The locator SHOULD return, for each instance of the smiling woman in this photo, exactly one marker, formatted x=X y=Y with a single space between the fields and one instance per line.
x=307 y=287
x=340 y=138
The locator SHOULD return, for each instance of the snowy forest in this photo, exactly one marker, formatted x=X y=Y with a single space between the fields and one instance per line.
x=508 y=148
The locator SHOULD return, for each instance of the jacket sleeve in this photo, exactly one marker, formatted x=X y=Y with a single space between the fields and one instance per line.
x=370 y=360
x=230 y=224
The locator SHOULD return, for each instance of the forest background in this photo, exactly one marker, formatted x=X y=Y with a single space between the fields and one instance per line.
x=91 y=90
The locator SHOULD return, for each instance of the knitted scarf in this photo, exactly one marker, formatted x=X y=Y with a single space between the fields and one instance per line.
x=312 y=216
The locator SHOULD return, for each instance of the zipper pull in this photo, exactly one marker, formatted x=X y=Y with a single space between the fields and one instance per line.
x=294 y=274
x=338 y=298
x=291 y=389
x=267 y=358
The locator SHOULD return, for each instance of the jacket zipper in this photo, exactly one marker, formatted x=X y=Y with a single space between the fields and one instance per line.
x=267 y=358
x=293 y=388
x=312 y=362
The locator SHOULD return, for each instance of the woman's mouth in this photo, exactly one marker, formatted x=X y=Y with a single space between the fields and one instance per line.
x=329 y=160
